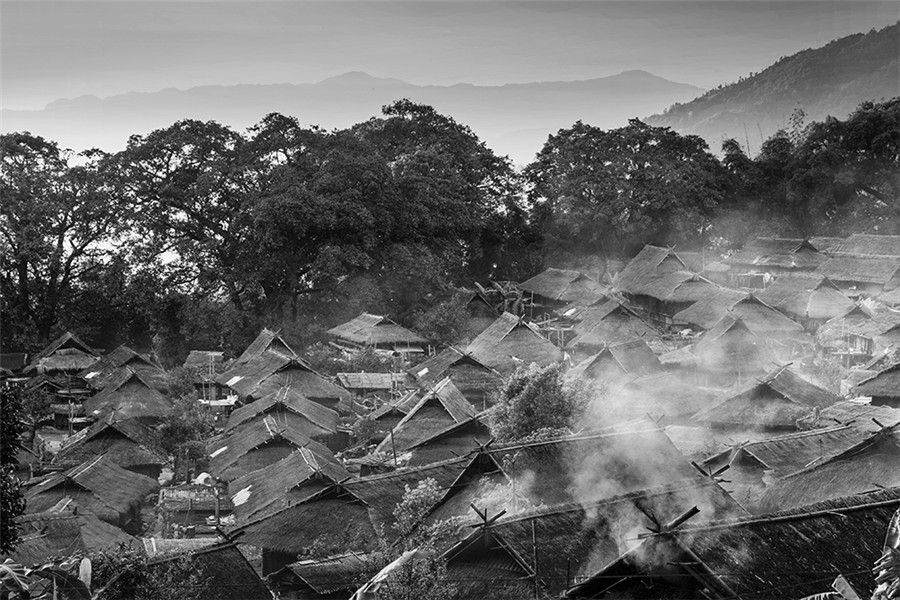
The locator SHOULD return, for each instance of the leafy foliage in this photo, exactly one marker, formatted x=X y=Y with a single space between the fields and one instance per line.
x=11 y=502
x=535 y=404
x=129 y=574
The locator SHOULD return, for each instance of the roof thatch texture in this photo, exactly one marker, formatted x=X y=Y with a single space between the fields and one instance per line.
x=441 y=406
x=130 y=395
x=807 y=296
x=64 y=360
x=297 y=477
x=867 y=244
x=790 y=554
x=98 y=486
x=658 y=395
x=885 y=384
x=708 y=310
x=257 y=444
x=572 y=542
x=761 y=319
x=858 y=415
x=126 y=442
x=593 y=467
x=778 y=400
x=825 y=244
x=731 y=347
x=609 y=323
x=375 y=330
x=866 y=466
x=787 y=454
x=266 y=341
x=100 y=372
x=785 y=253
x=564 y=286
x=859 y=321
x=344 y=572
x=322 y=421
x=371 y=381
x=629 y=360
x=510 y=343
x=458 y=439
x=651 y=263
x=66 y=340
x=201 y=359
x=226 y=572
x=271 y=371
x=863 y=269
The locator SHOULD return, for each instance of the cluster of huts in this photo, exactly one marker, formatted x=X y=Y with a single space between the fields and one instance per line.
x=742 y=440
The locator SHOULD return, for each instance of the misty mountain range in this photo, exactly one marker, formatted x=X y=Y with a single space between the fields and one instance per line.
x=513 y=119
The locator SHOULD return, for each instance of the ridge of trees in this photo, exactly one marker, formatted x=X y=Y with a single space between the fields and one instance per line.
x=195 y=235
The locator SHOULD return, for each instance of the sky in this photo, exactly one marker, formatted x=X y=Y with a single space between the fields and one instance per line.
x=64 y=49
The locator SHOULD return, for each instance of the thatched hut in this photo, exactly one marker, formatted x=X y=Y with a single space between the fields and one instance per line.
x=98 y=486
x=775 y=402
x=618 y=363
x=607 y=323
x=511 y=342
x=457 y=439
x=129 y=443
x=293 y=479
x=867 y=276
x=883 y=388
x=130 y=394
x=808 y=298
x=290 y=408
x=439 y=407
x=553 y=288
x=474 y=379
x=794 y=554
x=765 y=258
x=99 y=374
x=379 y=332
x=67 y=354
x=256 y=444
x=730 y=353
x=859 y=334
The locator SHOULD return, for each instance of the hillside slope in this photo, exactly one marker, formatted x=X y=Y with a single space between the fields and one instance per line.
x=831 y=80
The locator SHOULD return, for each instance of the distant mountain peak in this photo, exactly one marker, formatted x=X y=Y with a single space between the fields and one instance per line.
x=359 y=78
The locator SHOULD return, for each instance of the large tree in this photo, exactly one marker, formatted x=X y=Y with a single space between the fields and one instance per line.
x=59 y=222
x=609 y=191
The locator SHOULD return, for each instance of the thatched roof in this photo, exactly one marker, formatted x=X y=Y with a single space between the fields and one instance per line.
x=295 y=478
x=64 y=360
x=731 y=346
x=664 y=394
x=435 y=367
x=593 y=467
x=126 y=442
x=201 y=359
x=271 y=371
x=322 y=420
x=457 y=439
x=761 y=319
x=864 y=269
x=653 y=271
x=101 y=372
x=374 y=330
x=509 y=343
x=861 y=416
x=777 y=400
x=266 y=341
x=825 y=244
x=62 y=531
x=867 y=244
x=343 y=572
x=786 y=253
x=609 y=323
x=564 y=286
x=885 y=384
x=400 y=406
x=371 y=381
x=257 y=444
x=859 y=320
x=573 y=541
x=631 y=360
x=439 y=407
x=226 y=573
x=98 y=486
x=787 y=454
x=130 y=394
x=65 y=341
x=789 y=554
x=806 y=295
x=869 y=465
x=708 y=310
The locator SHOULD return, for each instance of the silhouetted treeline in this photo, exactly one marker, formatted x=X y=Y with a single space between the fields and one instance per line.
x=196 y=235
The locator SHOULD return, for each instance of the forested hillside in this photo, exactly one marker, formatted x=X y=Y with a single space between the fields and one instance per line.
x=821 y=82
x=196 y=235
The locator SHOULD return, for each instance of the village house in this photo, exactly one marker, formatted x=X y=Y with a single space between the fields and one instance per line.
x=204 y=365
x=775 y=402
x=863 y=276
x=764 y=259
x=457 y=439
x=98 y=486
x=130 y=395
x=192 y=505
x=859 y=335
x=754 y=557
x=289 y=408
x=64 y=356
x=883 y=388
x=378 y=332
x=867 y=466
x=511 y=342
x=808 y=298
x=474 y=379
x=100 y=373
x=554 y=288
x=331 y=578
x=617 y=363
x=601 y=325
x=726 y=355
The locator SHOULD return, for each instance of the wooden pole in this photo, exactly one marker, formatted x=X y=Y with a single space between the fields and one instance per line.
x=393 y=448
x=535 y=558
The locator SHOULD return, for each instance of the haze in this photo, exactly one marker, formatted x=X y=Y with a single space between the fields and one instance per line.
x=53 y=50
